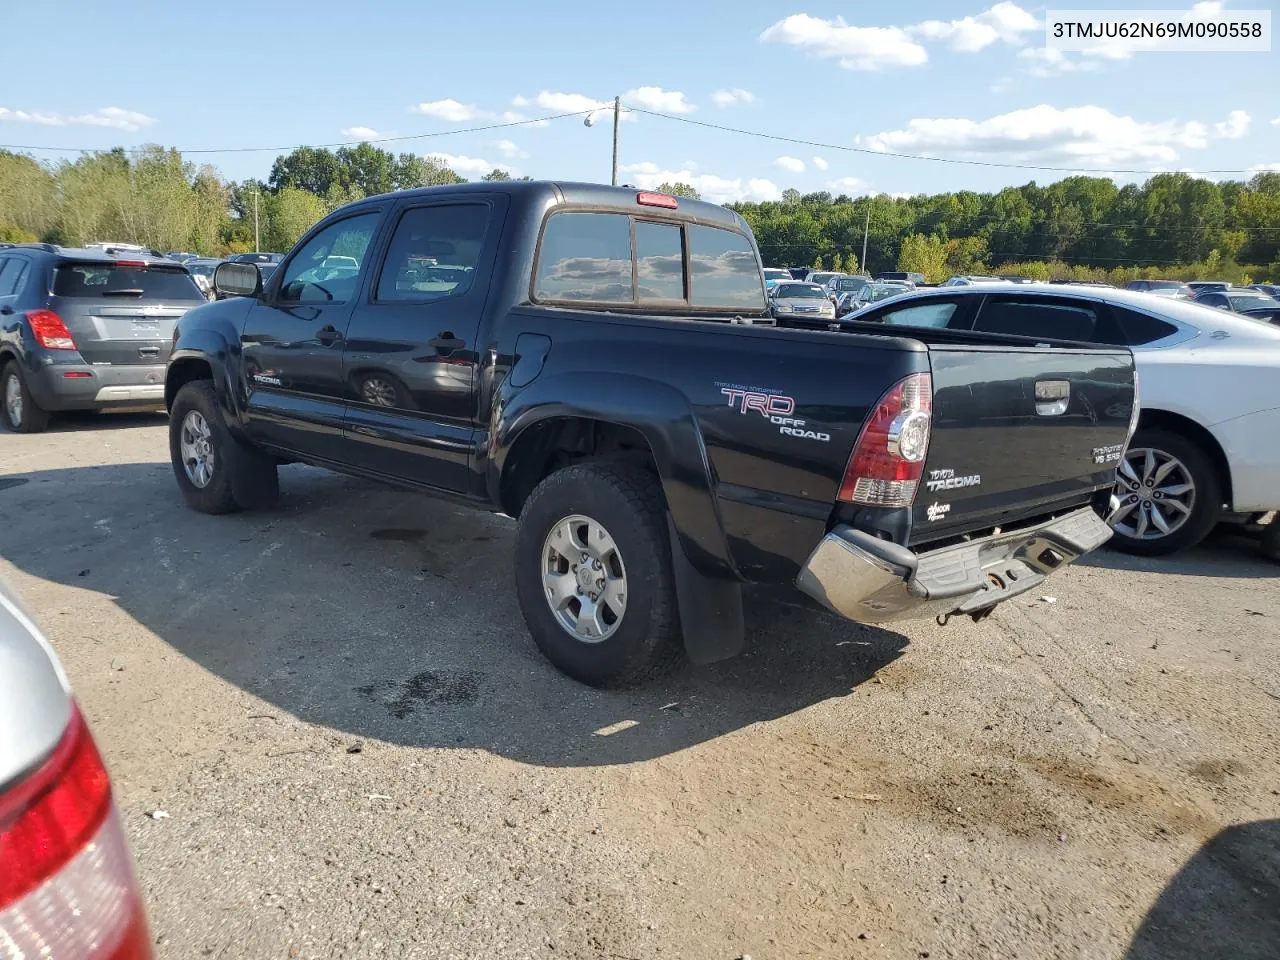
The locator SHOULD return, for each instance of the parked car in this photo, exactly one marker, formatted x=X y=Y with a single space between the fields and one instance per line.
x=1014 y=278
x=1237 y=301
x=868 y=294
x=821 y=277
x=1205 y=447
x=806 y=301
x=968 y=281
x=85 y=330
x=67 y=885
x=1162 y=288
x=799 y=273
x=182 y=257
x=203 y=266
x=633 y=405
x=916 y=278
x=846 y=284
x=775 y=275
x=1270 y=289
x=1266 y=314
x=1198 y=287
x=257 y=257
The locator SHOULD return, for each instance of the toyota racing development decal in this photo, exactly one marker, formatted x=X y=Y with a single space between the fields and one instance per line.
x=774 y=407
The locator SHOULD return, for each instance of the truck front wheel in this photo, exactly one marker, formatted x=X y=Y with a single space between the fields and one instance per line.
x=593 y=574
x=215 y=473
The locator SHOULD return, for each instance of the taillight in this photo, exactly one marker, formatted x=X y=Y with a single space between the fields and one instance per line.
x=887 y=461
x=648 y=198
x=66 y=880
x=50 y=332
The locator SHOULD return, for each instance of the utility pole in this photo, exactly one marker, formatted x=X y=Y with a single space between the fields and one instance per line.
x=617 y=111
x=257 y=242
x=866 y=228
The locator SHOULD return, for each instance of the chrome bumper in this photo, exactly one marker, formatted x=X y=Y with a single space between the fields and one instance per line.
x=869 y=580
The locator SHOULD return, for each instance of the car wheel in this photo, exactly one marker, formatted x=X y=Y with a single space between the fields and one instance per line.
x=21 y=414
x=215 y=473
x=593 y=574
x=1169 y=495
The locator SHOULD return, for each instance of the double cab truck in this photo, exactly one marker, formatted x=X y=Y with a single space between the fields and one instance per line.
x=600 y=364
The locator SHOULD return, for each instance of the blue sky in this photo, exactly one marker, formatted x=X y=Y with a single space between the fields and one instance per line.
x=958 y=79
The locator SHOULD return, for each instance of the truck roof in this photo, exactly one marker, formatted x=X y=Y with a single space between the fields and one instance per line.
x=598 y=195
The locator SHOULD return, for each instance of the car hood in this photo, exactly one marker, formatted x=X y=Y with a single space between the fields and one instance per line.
x=35 y=700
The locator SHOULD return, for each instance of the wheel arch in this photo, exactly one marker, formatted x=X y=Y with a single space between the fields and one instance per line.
x=1178 y=423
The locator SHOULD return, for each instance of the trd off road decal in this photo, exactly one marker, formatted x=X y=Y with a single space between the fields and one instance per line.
x=774 y=407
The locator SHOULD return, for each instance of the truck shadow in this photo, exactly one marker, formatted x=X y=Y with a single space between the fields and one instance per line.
x=388 y=615
x=1225 y=902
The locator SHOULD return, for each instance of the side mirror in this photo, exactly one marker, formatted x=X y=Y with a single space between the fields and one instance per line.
x=237 y=280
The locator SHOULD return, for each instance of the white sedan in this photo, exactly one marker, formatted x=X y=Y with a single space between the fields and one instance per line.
x=1207 y=444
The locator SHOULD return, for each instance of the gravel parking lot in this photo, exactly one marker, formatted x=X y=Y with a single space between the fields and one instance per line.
x=363 y=755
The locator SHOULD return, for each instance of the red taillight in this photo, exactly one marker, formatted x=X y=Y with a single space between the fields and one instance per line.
x=50 y=332
x=887 y=461
x=47 y=818
x=77 y=375
x=66 y=879
x=648 y=199
x=136 y=264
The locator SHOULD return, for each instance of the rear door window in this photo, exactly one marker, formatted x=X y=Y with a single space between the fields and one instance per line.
x=724 y=270
x=124 y=281
x=434 y=252
x=1041 y=318
x=1140 y=328
x=659 y=261
x=586 y=257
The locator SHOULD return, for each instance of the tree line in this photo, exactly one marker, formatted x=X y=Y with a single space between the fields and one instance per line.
x=1173 y=225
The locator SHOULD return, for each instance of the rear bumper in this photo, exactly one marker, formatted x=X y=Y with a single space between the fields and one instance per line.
x=104 y=387
x=869 y=580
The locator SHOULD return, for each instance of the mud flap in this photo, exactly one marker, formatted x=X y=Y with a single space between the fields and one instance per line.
x=711 y=617
x=254 y=483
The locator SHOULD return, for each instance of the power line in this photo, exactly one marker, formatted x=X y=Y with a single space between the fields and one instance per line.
x=343 y=143
x=906 y=156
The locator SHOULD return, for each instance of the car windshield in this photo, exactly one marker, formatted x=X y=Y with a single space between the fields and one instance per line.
x=800 y=291
x=773 y=273
x=820 y=277
x=1251 y=301
x=203 y=268
x=1164 y=285
x=124 y=281
x=881 y=291
x=850 y=283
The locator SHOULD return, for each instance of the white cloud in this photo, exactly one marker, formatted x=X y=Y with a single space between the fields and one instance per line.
x=902 y=195
x=857 y=48
x=1276 y=122
x=849 y=185
x=509 y=150
x=467 y=166
x=1207 y=7
x=820 y=163
x=512 y=116
x=448 y=109
x=1089 y=135
x=570 y=102
x=711 y=187
x=361 y=133
x=1005 y=21
x=1050 y=61
x=519 y=101
x=655 y=98
x=790 y=164
x=1234 y=127
x=115 y=117
x=732 y=97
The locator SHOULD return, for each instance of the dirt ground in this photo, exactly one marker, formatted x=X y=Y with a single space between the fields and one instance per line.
x=363 y=755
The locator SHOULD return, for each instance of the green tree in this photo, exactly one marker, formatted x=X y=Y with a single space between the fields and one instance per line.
x=924 y=254
x=290 y=213
x=837 y=263
x=817 y=263
x=679 y=189
x=496 y=175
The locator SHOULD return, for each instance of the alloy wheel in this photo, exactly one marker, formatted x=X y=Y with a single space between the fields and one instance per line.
x=1156 y=495
x=196 y=444
x=584 y=579
x=13 y=399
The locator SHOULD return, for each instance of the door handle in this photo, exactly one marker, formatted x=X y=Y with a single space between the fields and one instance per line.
x=447 y=342
x=328 y=335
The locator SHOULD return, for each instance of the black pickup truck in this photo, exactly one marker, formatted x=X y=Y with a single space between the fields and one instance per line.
x=600 y=364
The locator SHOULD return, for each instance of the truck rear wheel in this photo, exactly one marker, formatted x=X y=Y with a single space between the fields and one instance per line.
x=215 y=473
x=593 y=574
x=1170 y=496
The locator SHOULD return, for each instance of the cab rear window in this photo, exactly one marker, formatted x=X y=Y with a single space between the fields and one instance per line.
x=125 y=282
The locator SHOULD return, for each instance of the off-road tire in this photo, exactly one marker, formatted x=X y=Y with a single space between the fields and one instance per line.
x=257 y=483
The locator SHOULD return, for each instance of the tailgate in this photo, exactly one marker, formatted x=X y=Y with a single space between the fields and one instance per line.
x=1019 y=432
x=122 y=334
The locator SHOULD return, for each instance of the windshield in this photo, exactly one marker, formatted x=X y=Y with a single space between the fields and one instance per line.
x=850 y=283
x=1248 y=302
x=881 y=291
x=772 y=273
x=121 y=281
x=800 y=291
x=819 y=277
x=203 y=268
